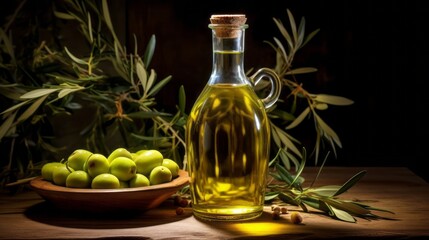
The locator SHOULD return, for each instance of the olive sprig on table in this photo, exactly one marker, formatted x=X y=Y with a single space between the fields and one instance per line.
x=288 y=188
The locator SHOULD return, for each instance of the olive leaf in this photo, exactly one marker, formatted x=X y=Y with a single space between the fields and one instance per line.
x=299 y=119
x=31 y=109
x=279 y=113
x=91 y=37
x=292 y=25
x=150 y=49
x=142 y=75
x=330 y=99
x=149 y=138
x=285 y=139
x=74 y=58
x=350 y=183
x=327 y=130
x=301 y=70
x=38 y=93
x=159 y=85
x=151 y=79
x=14 y=107
x=12 y=91
x=147 y=114
x=340 y=214
x=109 y=24
x=8 y=45
x=309 y=37
x=326 y=191
x=282 y=50
x=63 y=15
x=5 y=127
x=270 y=196
x=284 y=32
x=67 y=91
x=182 y=99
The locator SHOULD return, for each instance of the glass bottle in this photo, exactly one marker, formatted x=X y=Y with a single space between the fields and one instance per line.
x=228 y=132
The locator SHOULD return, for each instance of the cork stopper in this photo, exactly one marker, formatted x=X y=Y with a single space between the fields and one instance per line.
x=230 y=19
x=228 y=25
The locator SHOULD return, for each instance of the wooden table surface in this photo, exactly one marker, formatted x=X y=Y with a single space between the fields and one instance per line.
x=27 y=216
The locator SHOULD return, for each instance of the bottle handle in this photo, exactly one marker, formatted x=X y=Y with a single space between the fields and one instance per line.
x=276 y=85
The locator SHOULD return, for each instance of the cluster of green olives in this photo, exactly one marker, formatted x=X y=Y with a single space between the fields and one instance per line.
x=121 y=169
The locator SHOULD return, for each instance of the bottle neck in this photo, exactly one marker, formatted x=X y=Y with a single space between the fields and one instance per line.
x=228 y=55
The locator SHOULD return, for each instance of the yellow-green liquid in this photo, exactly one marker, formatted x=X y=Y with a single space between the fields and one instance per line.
x=227 y=151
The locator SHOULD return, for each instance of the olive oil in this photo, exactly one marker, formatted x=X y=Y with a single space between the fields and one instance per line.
x=227 y=132
x=228 y=144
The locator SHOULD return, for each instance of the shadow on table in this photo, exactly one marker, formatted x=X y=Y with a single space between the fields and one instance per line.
x=262 y=227
x=44 y=212
x=265 y=227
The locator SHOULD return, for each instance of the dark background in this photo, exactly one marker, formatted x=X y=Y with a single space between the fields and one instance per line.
x=373 y=52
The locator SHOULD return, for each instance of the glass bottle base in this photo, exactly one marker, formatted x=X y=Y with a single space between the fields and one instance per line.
x=228 y=214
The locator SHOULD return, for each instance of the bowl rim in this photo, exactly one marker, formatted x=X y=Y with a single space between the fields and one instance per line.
x=38 y=183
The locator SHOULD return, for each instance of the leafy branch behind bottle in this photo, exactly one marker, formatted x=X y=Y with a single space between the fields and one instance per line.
x=284 y=185
x=119 y=86
x=283 y=120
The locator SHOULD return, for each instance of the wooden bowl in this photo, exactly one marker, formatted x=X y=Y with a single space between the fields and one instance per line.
x=108 y=200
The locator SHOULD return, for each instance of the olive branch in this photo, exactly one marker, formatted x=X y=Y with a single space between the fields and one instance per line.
x=281 y=120
x=288 y=188
x=283 y=185
x=118 y=84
